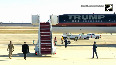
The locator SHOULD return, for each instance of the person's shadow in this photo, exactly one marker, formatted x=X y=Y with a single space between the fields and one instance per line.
x=22 y=55
x=2 y=60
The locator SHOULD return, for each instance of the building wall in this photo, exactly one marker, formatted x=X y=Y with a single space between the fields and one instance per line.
x=35 y=19
x=54 y=19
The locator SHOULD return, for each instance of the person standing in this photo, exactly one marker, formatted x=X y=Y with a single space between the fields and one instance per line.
x=94 y=50
x=65 y=42
x=25 y=49
x=55 y=40
x=75 y=38
x=10 y=49
x=33 y=42
x=62 y=40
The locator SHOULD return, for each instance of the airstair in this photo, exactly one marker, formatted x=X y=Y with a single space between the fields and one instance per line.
x=45 y=45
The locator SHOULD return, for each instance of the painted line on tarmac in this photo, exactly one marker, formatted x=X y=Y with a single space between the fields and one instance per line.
x=85 y=34
x=18 y=29
x=18 y=34
x=52 y=34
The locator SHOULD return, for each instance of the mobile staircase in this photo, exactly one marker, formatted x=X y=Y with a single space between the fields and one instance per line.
x=44 y=45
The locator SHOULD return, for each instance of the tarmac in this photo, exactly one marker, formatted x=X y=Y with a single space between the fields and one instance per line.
x=77 y=53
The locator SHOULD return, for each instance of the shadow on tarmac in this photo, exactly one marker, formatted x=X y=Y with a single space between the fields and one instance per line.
x=80 y=39
x=22 y=44
x=2 y=60
x=28 y=55
x=102 y=58
x=99 y=45
x=106 y=45
x=73 y=45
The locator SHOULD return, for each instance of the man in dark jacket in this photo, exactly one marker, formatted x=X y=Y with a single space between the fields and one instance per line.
x=25 y=49
x=65 y=42
x=94 y=49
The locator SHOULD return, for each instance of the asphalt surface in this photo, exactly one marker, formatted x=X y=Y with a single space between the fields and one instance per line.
x=77 y=53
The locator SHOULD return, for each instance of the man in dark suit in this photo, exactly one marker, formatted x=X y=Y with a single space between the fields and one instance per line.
x=25 y=49
x=94 y=49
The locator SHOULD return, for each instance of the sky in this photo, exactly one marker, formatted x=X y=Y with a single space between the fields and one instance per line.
x=21 y=11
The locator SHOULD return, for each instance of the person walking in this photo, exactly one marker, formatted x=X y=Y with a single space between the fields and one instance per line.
x=55 y=40
x=65 y=42
x=10 y=49
x=94 y=50
x=62 y=40
x=75 y=38
x=25 y=49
